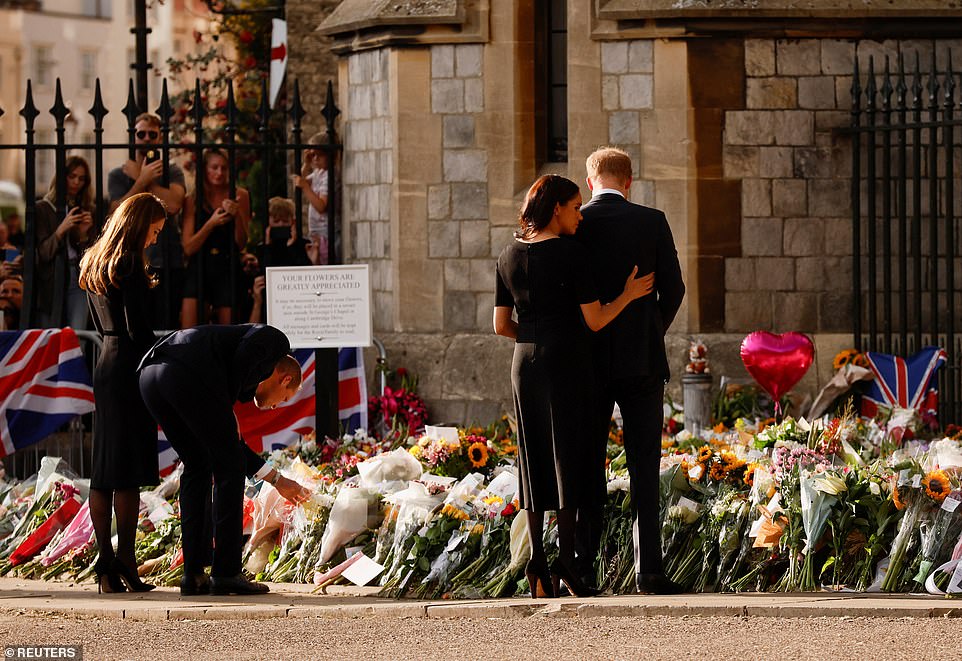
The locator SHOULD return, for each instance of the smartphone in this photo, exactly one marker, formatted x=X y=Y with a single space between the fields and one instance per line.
x=280 y=234
x=9 y=254
x=152 y=155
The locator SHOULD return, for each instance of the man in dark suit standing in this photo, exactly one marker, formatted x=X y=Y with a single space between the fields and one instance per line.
x=190 y=380
x=631 y=363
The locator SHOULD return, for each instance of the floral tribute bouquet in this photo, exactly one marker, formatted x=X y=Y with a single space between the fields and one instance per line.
x=449 y=458
x=399 y=411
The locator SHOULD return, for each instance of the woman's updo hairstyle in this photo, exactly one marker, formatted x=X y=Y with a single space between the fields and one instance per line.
x=539 y=204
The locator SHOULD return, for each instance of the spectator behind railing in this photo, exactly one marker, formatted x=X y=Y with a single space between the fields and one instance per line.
x=207 y=242
x=280 y=247
x=145 y=174
x=11 y=300
x=15 y=227
x=60 y=243
x=11 y=259
x=313 y=183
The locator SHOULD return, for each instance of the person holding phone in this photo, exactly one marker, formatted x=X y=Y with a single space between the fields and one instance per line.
x=211 y=225
x=60 y=244
x=280 y=247
x=145 y=174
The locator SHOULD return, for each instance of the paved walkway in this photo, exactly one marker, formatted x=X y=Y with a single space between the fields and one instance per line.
x=298 y=601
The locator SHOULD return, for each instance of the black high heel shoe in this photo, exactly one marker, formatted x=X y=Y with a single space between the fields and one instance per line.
x=538 y=579
x=130 y=577
x=107 y=579
x=560 y=573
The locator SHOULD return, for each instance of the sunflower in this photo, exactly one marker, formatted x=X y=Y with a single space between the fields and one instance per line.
x=704 y=454
x=478 y=454
x=899 y=505
x=749 y=477
x=843 y=358
x=718 y=471
x=720 y=428
x=937 y=485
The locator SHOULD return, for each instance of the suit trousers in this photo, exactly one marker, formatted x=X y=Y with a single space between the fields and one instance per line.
x=641 y=400
x=203 y=431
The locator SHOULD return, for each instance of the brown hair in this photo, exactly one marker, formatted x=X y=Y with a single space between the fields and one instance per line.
x=539 y=204
x=148 y=117
x=124 y=238
x=85 y=197
x=280 y=206
x=611 y=161
x=288 y=366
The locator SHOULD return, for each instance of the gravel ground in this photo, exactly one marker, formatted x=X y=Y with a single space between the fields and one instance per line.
x=537 y=637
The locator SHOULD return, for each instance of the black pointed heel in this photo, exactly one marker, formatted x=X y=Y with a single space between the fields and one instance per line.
x=560 y=573
x=539 y=580
x=130 y=577
x=108 y=582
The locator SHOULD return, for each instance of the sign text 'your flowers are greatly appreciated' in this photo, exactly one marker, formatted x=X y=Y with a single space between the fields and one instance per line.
x=321 y=306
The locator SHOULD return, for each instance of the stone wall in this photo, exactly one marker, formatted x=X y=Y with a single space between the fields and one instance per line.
x=740 y=142
x=788 y=149
x=459 y=232
x=310 y=59
x=369 y=173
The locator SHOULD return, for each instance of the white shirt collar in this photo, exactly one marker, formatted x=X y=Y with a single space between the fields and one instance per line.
x=603 y=191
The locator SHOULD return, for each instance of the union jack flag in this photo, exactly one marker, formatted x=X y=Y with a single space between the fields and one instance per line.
x=907 y=383
x=268 y=430
x=44 y=383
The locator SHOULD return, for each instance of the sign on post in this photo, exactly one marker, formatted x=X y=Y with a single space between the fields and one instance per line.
x=321 y=306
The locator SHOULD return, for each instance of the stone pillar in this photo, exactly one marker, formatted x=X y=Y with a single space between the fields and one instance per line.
x=418 y=289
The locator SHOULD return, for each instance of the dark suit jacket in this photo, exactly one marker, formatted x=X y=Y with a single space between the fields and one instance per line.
x=620 y=235
x=229 y=360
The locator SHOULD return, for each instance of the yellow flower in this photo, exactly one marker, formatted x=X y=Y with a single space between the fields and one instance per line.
x=749 y=478
x=720 y=428
x=704 y=454
x=478 y=454
x=453 y=512
x=477 y=529
x=717 y=471
x=937 y=485
x=493 y=500
x=899 y=505
x=415 y=450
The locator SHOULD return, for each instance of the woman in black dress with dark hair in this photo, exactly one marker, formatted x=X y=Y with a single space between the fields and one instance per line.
x=115 y=275
x=212 y=222
x=544 y=276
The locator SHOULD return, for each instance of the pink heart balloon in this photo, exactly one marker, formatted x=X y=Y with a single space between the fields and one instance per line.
x=777 y=362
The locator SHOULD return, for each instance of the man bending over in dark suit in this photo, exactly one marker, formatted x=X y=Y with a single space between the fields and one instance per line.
x=190 y=380
x=629 y=354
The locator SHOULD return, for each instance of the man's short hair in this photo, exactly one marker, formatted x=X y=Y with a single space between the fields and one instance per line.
x=609 y=161
x=148 y=117
x=288 y=366
x=281 y=207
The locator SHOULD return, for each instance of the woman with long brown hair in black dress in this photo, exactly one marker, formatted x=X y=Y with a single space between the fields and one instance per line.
x=116 y=277
x=544 y=276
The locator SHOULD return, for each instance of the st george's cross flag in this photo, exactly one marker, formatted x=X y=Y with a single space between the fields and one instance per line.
x=264 y=431
x=44 y=383
x=278 y=57
x=907 y=383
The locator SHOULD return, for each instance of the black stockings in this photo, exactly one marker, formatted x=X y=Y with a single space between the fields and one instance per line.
x=126 y=505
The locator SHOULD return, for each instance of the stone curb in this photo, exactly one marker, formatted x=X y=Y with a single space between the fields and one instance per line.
x=297 y=601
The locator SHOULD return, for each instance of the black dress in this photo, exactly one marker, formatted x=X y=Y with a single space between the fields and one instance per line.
x=214 y=261
x=551 y=375
x=125 y=434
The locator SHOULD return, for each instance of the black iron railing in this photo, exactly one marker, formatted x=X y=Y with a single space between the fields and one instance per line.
x=268 y=149
x=905 y=214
